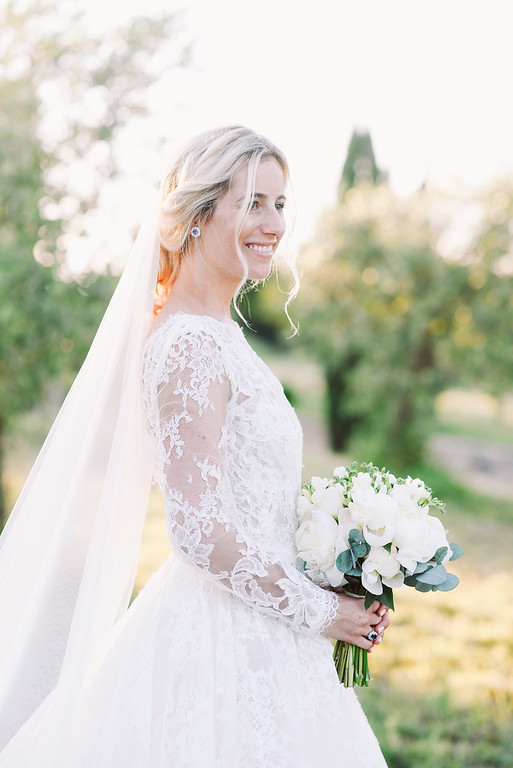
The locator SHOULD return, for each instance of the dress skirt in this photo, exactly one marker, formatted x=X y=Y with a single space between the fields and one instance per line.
x=196 y=679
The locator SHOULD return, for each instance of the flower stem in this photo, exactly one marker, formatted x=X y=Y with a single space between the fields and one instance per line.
x=352 y=664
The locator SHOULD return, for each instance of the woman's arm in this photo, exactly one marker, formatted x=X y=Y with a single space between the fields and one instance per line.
x=193 y=397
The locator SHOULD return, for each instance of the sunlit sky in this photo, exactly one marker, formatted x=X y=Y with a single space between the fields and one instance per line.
x=430 y=79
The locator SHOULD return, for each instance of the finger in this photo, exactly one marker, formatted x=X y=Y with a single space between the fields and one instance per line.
x=383 y=622
x=380 y=628
x=364 y=642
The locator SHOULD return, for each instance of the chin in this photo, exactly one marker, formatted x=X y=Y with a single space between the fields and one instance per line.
x=260 y=271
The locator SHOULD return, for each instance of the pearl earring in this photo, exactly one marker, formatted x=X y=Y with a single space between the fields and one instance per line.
x=195 y=231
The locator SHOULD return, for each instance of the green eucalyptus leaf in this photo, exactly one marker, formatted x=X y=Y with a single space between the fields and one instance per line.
x=436 y=575
x=451 y=582
x=344 y=561
x=440 y=554
x=354 y=572
x=355 y=537
x=421 y=567
x=410 y=581
x=457 y=551
x=420 y=587
x=360 y=550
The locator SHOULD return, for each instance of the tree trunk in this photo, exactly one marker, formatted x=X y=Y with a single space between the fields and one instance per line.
x=341 y=423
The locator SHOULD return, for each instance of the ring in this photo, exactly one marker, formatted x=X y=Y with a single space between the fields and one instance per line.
x=373 y=635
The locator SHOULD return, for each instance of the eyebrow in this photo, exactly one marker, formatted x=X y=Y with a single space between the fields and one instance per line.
x=261 y=196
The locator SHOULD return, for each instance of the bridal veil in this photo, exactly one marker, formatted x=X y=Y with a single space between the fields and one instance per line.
x=69 y=552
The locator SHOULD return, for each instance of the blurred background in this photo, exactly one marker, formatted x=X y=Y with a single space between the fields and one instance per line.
x=396 y=119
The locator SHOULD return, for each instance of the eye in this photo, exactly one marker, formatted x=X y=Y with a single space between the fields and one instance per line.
x=254 y=205
x=280 y=206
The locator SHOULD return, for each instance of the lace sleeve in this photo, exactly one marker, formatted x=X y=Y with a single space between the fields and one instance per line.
x=193 y=397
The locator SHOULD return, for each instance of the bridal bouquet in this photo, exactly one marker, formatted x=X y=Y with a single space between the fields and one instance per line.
x=367 y=532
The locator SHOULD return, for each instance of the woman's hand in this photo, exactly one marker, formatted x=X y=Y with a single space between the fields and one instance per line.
x=354 y=622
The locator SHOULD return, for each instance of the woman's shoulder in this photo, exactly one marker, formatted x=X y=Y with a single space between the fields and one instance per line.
x=182 y=333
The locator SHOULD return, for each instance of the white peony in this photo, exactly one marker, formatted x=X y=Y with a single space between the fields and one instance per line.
x=329 y=500
x=335 y=577
x=409 y=494
x=381 y=567
x=316 y=541
x=375 y=513
x=319 y=483
x=304 y=508
x=340 y=472
x=417 y=537
x=417 y=489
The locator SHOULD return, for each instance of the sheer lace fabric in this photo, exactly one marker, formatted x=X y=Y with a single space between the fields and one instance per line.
x=222 y=661
x=228 y=450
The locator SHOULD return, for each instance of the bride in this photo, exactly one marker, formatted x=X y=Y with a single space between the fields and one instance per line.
x=223 y=660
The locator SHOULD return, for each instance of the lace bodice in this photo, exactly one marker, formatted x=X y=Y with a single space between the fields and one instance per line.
x=227 y=450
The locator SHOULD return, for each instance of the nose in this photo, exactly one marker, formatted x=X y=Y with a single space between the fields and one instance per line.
x=274 y=223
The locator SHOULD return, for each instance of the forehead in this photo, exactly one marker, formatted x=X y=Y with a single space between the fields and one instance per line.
x=269 y=179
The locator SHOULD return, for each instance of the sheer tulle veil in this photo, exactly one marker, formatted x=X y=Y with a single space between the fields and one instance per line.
x=68 y=554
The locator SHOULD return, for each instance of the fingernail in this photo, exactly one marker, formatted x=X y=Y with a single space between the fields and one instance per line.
x=380 y=638
x=381 y=630
x=382 y=611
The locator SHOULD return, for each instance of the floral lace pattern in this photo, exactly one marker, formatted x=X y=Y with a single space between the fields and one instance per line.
x=228 y=458
x=221 y=661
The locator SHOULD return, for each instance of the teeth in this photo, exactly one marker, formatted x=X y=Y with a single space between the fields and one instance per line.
x=265 y=250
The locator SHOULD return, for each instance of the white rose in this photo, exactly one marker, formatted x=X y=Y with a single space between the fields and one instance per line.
x=329 y=500
x=316 y=539
x=417 y=537
x=380 y=567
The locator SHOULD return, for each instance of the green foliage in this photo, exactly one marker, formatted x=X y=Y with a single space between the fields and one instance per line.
x=360 y=165
x=393 y=322
x=422 y=730
x=47 y=60
x=263 y=305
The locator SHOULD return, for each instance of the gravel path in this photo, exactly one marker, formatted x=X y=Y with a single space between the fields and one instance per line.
x=485 y=466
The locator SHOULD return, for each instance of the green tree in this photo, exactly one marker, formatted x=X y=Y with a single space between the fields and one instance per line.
x=48 y=60
x=393 y=322
x=483 y=317
x=375 y=300
x=360 y=165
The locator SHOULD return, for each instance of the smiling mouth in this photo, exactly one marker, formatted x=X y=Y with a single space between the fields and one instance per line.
x=262 y=250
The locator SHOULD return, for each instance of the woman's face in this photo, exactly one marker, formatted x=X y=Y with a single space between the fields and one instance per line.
x=262 y=228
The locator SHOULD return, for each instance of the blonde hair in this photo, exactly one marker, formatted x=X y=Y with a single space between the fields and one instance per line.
x=198 y=177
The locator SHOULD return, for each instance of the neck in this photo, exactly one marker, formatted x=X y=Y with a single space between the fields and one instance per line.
x=201 y=292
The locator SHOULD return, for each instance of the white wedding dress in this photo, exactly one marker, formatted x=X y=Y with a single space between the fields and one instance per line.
x=222 y=661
